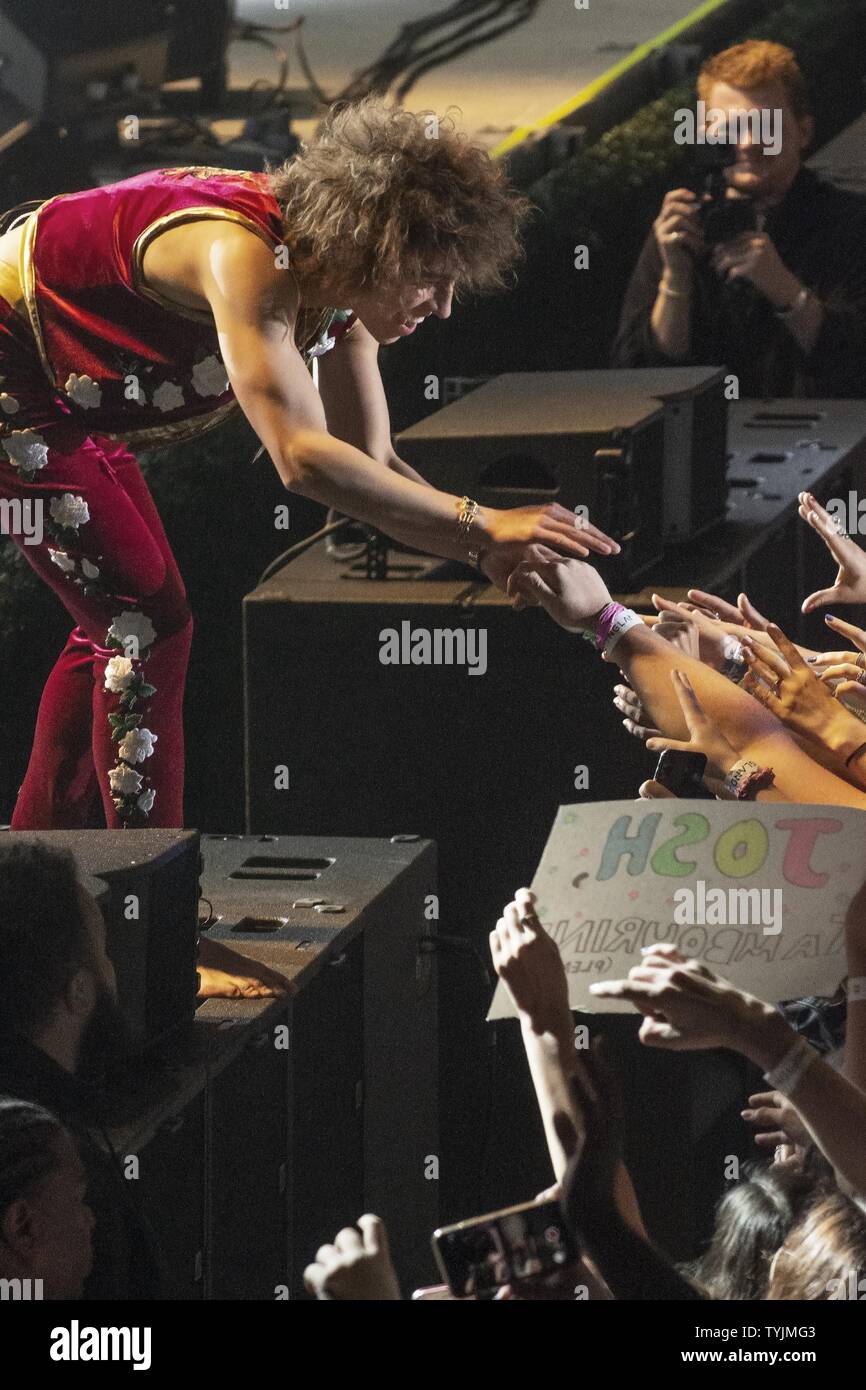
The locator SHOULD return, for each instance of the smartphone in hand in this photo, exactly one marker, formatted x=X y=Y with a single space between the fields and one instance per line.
x=525 y=1242
x=682 y=773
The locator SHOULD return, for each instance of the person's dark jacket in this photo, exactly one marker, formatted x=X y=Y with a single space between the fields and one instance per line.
x=126 y=1264
x=820 y=233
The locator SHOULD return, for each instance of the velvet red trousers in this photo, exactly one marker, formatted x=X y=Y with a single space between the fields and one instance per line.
x=108 y=745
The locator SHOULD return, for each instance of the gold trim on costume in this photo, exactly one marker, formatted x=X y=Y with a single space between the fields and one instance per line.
x=206 y=171
x=27 y=272
x=175 y=219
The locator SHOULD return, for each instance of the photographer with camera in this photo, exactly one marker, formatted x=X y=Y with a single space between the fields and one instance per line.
x=762 y=267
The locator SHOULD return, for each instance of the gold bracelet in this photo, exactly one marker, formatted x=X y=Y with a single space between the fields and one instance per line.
x=467 y=512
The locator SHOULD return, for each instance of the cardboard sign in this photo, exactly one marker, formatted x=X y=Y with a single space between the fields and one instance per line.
x=756 y=890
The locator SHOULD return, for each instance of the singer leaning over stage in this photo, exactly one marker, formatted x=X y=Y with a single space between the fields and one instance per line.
x=143 y=312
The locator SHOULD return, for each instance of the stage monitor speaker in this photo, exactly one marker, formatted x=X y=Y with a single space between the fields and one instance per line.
x=695 y=438
x=151 y=916
x=534 y=437
x=357 y=918
x=478 y=763
x=87 y=46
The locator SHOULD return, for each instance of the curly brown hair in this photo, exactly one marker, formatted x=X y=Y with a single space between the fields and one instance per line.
x=383 y=196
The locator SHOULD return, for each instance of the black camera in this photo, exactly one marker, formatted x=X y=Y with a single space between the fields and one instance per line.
x=722 y=216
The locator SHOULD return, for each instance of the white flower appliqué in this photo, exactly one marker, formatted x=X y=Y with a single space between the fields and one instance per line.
x=119 y=671
x=146 y=800
x=89 y=570
x=83 y=390
x=168 y=396
x=27 y=450
x=125 y=780
x=131 y=624
x=69 y=510
x=209 y=377
x=136 y=745
x=62 y=560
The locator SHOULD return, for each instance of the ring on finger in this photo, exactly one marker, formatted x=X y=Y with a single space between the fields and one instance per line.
x=861 y=661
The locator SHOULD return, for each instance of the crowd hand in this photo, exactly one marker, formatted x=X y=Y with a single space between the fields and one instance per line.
x=840 y=669
x=693 y=632
x=704 y=737
x=499 y=563
x=527 y=960
x=744 y=617
x=685 y=1006
x=573 y=593
x=850 y=582
x=776 y=1120
x=654 y=791
x=678 y=232
x=786 y=685
x=357 y=1266
x=629 y=705
x=589 y=1184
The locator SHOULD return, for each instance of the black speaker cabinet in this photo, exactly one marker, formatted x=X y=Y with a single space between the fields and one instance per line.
x=479 y=763
x=695 y=437
x=353 y=924
x=249 y=1167
x=170 y=1191
x=534 y=437
x=151 y=915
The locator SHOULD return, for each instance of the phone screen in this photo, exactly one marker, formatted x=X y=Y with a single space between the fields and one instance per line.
x=682 y=773
x=478 y=1257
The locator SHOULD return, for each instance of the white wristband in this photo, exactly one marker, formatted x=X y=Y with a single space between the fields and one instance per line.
x=621 y=624
x=792 y=1068
x=856 y=989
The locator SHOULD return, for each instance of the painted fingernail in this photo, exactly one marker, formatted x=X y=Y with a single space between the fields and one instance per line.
x=828 y=618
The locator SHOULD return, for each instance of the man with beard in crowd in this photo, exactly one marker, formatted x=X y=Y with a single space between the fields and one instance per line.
x=59 y=1025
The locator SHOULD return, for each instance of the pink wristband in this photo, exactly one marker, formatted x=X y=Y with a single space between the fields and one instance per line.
x=604 y=623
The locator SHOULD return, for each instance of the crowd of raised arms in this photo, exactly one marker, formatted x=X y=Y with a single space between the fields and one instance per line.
x=775 y=722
